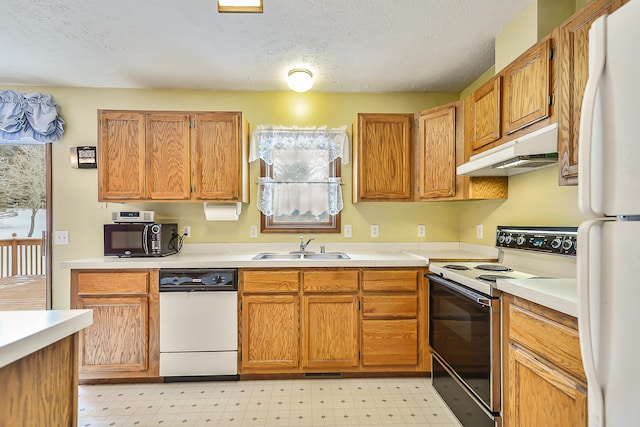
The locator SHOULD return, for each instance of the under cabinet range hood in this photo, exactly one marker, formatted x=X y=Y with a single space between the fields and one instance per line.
x=530 y=152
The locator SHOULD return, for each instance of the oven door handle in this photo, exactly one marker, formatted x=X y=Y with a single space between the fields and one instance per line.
x=478 y=298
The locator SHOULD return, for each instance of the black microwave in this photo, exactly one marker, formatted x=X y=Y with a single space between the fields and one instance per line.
x=141 y=239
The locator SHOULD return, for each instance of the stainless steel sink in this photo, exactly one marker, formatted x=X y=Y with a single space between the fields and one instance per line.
x=301 y=256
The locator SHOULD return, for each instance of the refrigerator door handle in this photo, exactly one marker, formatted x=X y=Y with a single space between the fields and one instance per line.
x=586 y=168
x=587 y=255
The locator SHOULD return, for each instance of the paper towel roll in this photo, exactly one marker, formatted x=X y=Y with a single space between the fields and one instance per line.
x=222 y=212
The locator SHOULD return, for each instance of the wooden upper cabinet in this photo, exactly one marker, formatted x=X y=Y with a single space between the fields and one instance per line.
x=167 y=153
x=382 y=157
x=172 y=156
x=218 y=151
x=574 y=71
x=527 y=88
x=436 y=153
x=484 y=114
x=121 y=156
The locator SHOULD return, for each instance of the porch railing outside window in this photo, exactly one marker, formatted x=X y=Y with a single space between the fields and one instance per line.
x=21 y=257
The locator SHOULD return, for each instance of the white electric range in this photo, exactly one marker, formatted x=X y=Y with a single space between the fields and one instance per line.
x=465 y=316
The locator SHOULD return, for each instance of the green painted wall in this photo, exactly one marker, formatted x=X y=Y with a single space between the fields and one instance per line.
x=75 y=199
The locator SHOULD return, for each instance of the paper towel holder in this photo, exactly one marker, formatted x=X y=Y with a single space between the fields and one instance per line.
x=222 y=211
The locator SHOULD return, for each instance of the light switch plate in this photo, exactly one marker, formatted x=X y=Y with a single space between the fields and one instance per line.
x=479 y=231
x=347 y=231
x=62 y=237
x=253 y=231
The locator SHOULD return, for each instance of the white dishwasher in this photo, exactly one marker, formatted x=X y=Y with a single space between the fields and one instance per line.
x=198 y=324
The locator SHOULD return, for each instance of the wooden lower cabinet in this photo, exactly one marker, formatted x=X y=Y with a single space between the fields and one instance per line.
x=544 y=384
x=123 y=341
x=330 y=331
x=41 y=388
x=315 y=320
x=271 y=332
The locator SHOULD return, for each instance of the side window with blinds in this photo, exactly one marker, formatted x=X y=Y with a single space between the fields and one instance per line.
x=299 y=188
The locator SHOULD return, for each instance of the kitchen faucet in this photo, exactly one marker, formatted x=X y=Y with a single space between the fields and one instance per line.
x=303 y=246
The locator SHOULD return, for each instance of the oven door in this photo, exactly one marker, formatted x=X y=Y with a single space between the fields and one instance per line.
x=464 y=334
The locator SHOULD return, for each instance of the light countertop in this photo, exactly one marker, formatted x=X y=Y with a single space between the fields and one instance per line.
x=557 y=294
x=24 y=332
x=236 y=255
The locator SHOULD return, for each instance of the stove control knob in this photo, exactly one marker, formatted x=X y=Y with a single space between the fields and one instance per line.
x=556 y=243
x=566 y=245
x=501 y=238
x=509 y=239
x=521 y=240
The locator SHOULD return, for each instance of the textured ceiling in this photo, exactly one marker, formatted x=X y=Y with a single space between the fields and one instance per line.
x=349 y=45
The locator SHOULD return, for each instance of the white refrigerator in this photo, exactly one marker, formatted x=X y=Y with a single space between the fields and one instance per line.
x=609 y=242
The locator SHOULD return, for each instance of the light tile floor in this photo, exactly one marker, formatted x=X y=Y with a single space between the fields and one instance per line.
x=303 y=402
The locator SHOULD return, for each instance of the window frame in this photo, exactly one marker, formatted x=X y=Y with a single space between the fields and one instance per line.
x=268 y=225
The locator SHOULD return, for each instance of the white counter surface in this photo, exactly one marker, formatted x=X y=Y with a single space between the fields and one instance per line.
x=557 y=294
x=24 y=332
x=238 y=255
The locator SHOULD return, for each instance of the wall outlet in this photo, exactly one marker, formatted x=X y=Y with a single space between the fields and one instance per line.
x=375 y=230
x=479 y=231
x=347 y=231
x=62 y=237
x=253 y=231
x=186 y=232
x=422 y=230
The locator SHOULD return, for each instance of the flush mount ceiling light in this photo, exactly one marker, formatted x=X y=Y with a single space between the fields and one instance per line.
x=300 y=79
x=240 y=6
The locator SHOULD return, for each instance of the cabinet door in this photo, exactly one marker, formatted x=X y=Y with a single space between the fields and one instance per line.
x=541 y=395
x=527 y=86
x=330 y=331
x=574 y=71
x=116 y=344
x=484 y=114
x=382 y=157
x=121 y=156
x=270 y=333
x=436 y=153
x=217 y=156
x=167 y=148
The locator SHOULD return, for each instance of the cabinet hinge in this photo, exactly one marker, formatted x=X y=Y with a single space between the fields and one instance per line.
x=358 y=304
x=552 y=52
x=551 y=99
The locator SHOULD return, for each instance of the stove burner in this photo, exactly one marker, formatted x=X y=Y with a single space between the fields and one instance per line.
x=493 y=277
x=493 y=267
x=456 y=267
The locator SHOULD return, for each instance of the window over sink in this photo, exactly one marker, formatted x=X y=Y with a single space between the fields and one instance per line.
x=299 y=188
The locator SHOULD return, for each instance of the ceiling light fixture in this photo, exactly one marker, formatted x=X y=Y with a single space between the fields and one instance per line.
x=300 y=79
x=240 y=6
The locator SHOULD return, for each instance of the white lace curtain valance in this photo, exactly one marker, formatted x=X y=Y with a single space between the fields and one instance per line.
x=300 y=182
x=29 y=119
x=266 y=139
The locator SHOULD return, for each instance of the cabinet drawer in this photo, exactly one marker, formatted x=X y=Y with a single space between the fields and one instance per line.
x=330 y=281
x=389 y=342
x=549 y=338
x=385 y=306
x=269 y=281
x=390 y=281
x=130 y=282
